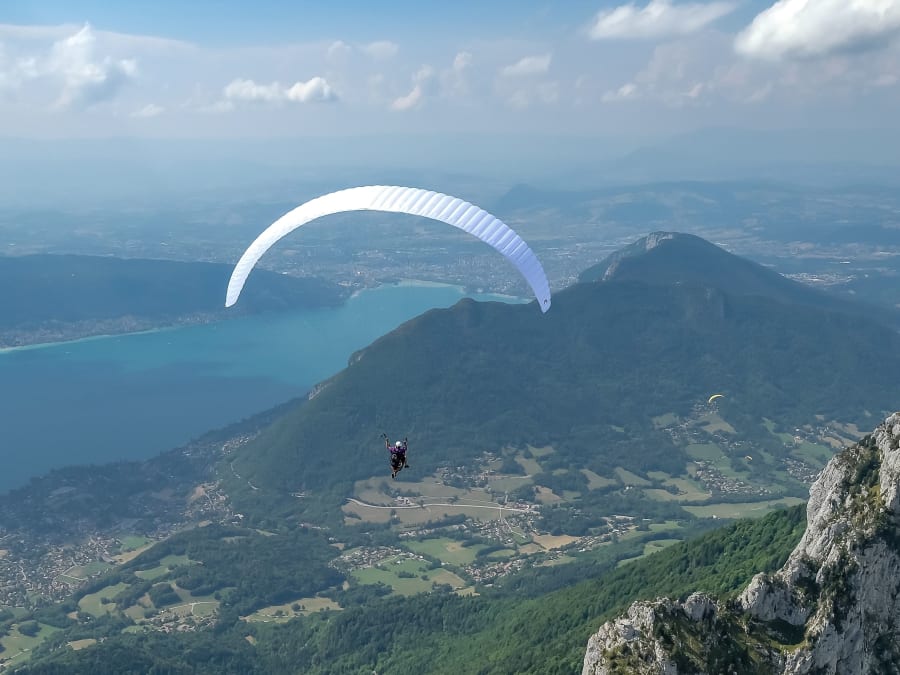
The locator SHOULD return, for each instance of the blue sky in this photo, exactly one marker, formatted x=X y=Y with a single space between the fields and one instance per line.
x=204 y=69
x=277 y=21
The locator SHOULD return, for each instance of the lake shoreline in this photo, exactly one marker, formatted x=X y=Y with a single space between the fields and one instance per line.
x=204 y=319
x=131 y=396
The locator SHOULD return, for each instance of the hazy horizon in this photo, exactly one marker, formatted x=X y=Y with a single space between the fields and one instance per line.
x=98 y=98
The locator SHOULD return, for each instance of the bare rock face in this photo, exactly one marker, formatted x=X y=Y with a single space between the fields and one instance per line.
x=833 y=608
x=631 y=635
x=651 y=241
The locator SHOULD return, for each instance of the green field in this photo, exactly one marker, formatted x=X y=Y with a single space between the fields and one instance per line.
x=502 y=554
x=596 y=481
x=133 y=541
x=167 y=563
x=815 y=454
x=688 y=491
x=136 y=612
x=530 y=466
x=629 y=478
x=713 y=454
x=509 y=483
x=541 y=452
x=706 y=452
x=712 y=423
x=17 y=647
x=285 y=612
x=650 y=548
x=446 y=550
x=408 y=585
x=412 y=516
x=743 y=509
x=198 y=608
x=87 y=571
x=92 y=603
x=658 y=545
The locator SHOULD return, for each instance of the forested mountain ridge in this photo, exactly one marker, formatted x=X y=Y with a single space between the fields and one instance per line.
x=671 y=257
x=69 y=296
x=587 y=378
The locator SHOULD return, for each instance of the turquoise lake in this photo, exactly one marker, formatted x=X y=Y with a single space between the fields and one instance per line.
x=133 y=396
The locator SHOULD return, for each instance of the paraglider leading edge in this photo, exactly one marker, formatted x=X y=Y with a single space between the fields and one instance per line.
x=395 y=199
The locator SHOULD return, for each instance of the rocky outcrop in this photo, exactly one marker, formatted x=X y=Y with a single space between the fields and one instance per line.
x=648 y=243
x=833 y=608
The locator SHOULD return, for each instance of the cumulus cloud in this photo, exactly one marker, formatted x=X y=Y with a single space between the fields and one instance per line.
x=381 y=49
x=678 y=74
x=338 y=50
x=658 y=19
x=409 y=101
x=149 y=110
x=462 y=61
x=529 y=65
x=14 y=71
x=315 y=90
x=422 y=80
x=803 y=29
x=625 y=92
x=454 y=80
x=87 y=79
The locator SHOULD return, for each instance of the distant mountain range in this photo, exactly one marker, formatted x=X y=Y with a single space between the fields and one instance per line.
x=49 y=297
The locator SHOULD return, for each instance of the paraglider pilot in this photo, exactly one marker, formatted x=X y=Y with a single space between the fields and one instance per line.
x=398 y=455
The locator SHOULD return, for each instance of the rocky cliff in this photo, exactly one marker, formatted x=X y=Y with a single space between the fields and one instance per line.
x=833 y=608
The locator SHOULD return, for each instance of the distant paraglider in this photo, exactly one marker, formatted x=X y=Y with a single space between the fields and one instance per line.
x=414 y=201
x=714 y=397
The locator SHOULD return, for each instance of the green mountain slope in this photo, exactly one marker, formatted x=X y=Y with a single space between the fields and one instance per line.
x=587 y=378
x=519 y=629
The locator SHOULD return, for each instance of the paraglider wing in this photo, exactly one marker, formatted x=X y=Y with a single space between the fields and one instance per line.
x=714 y=397
x=434 y=205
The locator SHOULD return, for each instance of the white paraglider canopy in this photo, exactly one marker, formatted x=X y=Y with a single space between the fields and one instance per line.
x=414 y=201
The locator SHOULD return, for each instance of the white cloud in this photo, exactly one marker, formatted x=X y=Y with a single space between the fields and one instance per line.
x=625 y=92
x=462 y=61
x=658 y=19
x=804 y=29
x=409 y=101
x=149 y=110
x=87 y=80
x=381 y=49
x=454 y=81
x=248 y=90
x=529 y=65
x=679 y=73
x=315 y=90
x=421 y=80
x=337 y=50
x=14 y=71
